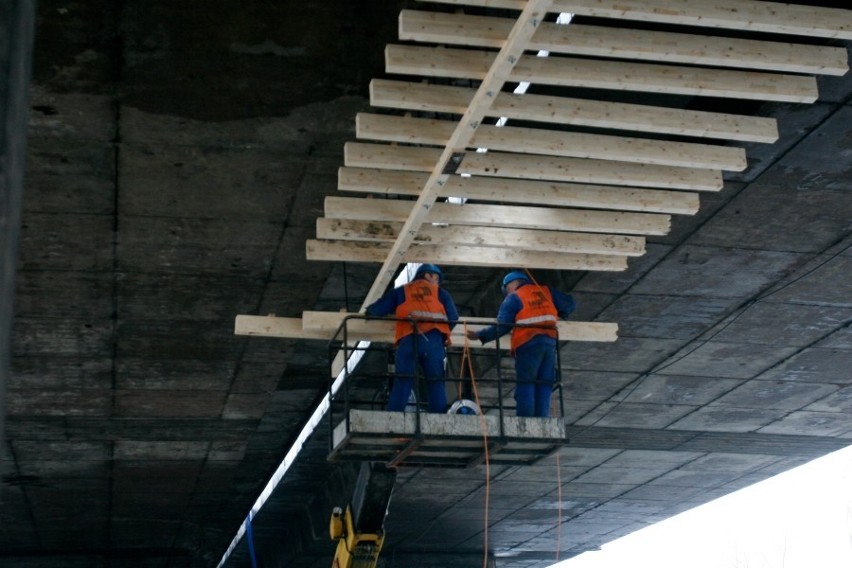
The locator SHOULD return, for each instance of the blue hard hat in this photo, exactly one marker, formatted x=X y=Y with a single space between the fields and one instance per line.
x=424 y=268
x=512 y=276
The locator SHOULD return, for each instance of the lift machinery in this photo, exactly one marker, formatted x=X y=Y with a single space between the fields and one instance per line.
x=358 y=527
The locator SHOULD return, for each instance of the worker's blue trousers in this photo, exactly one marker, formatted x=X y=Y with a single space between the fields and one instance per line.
x=535 y=366
x=427 y=350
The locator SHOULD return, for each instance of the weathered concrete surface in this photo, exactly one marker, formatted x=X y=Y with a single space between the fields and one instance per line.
x=178 y=156
x=16 y=54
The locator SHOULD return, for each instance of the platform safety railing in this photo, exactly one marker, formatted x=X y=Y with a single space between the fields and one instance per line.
x=364 y=385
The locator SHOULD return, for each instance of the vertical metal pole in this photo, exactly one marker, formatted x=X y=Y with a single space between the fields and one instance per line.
x=559 y=378
x=345 y=386
x=15 y=69
x=500 y=388
x=331 y=351
x=416 y=381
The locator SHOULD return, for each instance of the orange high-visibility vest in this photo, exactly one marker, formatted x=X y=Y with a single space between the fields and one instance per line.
x=421 y=303
x=537 y=309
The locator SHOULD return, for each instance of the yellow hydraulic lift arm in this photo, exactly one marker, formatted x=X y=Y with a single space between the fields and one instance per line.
x=358 y=528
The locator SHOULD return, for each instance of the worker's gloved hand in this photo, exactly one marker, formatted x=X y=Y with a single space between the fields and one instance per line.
x=472 y=334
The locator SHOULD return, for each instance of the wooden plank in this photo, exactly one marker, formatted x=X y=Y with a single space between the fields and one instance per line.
x=273 y=326
x=321 y=327
x=599 y=74
x=267 y=326
x=518 y=217
x=507 y=190
x=401 y=158
x=769 y=17
x=577 y=112
x=292 y=328
x=499 y=237
x=493 y=79
x=390 y=128
x=692 y=49
x=329 y=322
x=589 y=171
x=458 y=255
x=505 y=165
x=624 y=43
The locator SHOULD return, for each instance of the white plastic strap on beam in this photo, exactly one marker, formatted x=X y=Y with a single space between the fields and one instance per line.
x=404 y=277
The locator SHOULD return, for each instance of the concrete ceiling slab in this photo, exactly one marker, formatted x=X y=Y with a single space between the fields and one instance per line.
x=824 y=423
x=677 y=390
x=814 y=365
x=178 y=157
x=728 y=419
x=665 y=317
x=729 y=360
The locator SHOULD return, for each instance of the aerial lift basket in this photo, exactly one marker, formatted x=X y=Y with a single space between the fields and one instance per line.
x=365 y=432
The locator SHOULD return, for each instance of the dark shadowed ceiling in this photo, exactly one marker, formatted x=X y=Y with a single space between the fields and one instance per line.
x=178 y=156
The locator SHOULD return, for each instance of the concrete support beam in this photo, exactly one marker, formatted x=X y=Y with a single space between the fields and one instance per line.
x=16 y=47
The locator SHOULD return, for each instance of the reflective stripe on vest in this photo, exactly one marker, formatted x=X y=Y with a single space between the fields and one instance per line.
x=536 y=319
x=537 y=307
x=422 y=304
x=417 y=314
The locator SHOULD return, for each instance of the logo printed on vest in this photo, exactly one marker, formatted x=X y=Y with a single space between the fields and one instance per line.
x=538 y=299
x=420 y=293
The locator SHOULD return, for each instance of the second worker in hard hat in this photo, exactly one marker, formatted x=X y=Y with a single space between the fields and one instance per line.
x=530 y=311
x=425 y=315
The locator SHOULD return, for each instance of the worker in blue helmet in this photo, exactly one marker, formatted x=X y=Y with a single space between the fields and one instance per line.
x=425 y=314
x=530 y=312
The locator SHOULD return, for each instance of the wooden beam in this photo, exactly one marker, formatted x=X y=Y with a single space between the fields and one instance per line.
x=577 y=112
x=581 y=220
x=505 y=165
x=692 y=49
x=600 y=74
x=769 y=17
x=382 y=156
x=568 y=330
x=291 y=328
x=389 y=128
x=492 y=83
x=499 y=237
x=507 y=190
x=624 y=43
x=458 y=255
x=590 y=171
x=323 y=325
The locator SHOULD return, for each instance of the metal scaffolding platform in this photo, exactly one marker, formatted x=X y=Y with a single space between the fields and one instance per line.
x=444 y=440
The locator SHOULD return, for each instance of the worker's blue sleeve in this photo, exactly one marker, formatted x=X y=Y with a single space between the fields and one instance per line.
x=386 y=305
x=449 y=306
x=564 y=303
x=505 y=318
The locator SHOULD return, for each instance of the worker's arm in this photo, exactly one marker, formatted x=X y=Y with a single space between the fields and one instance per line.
x=449 y=307
x=564 y=303
x=386 y=305
x=505 y=319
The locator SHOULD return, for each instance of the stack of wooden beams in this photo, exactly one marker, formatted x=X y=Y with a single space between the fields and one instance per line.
x=573 y=180
x=554 y=193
